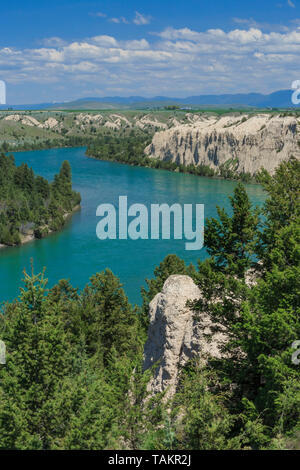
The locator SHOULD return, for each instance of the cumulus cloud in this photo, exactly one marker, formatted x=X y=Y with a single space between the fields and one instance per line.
x=54 y=41
x=174 y=62
x=105 y=41
x=184 y=33
x=252 y=23
x=137 y=44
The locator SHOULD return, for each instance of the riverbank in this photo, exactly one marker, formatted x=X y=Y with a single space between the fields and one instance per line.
x=27 y=238
x=130 y=149
x=146 y=162
x=131 y=153
x=31 y=206
x=202 y=170
x=25 y=148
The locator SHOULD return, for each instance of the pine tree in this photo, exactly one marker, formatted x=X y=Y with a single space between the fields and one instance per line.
x=38 y=358
x=230 y=241
x=172 y=264
x=109 y=320
x=261 y=317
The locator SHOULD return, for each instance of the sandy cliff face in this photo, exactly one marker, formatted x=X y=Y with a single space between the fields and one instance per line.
x=243 y=144
x=174 y=336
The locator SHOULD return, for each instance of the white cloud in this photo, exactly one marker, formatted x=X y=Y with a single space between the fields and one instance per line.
x=245 y=37
x=252 y=23
x=140 y=19
x=175 y=62
x=135 y=44
x=119 y=20
x=184 y=33
x=54 y=41
x=291 y=4
x=105 y=41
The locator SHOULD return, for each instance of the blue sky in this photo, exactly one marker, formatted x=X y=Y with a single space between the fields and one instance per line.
x=63 y=50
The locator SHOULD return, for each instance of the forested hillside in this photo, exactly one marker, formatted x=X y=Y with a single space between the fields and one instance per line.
x=129 y=149
x=30 y=206
x=126 y=148
x=73 y=375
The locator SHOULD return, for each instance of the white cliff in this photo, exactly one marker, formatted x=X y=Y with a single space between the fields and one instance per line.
x=175 y=336
x=244 y=144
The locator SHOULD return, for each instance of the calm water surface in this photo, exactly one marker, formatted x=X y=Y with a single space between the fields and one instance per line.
x=75 y=253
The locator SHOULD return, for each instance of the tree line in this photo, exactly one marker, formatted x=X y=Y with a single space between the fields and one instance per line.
x=129 y=149
x=29 y=203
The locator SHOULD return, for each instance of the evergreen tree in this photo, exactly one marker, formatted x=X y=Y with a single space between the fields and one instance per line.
x=28 y=200
x=109 y=320
x=206 y=422
x=38 y=358
x=282 y=207
x=260 y=313
x=172 y=264
x=230 y=241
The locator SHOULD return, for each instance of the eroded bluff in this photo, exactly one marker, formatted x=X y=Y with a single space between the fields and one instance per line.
x=175 y=336
x=243 y=144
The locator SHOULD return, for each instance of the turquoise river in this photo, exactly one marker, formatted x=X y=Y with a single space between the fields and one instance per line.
x=76 y=253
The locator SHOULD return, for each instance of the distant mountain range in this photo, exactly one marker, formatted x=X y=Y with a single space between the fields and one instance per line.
x=278 y=99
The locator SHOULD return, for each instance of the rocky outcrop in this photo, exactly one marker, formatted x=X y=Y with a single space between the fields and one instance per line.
x=175 y=336
x=244 y=144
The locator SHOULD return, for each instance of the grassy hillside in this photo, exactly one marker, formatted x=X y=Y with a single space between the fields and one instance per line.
x=26 y=130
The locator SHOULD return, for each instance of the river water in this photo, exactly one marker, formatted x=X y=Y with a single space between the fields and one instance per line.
x=76 y=253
